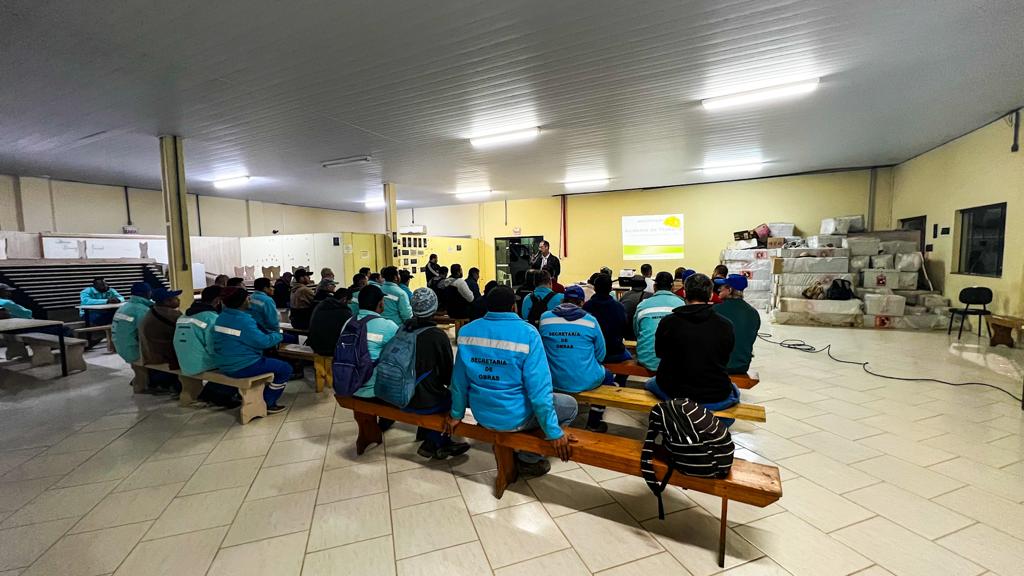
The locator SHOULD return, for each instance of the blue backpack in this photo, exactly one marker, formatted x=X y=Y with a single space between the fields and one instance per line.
x=352 y=366
x=396 y=369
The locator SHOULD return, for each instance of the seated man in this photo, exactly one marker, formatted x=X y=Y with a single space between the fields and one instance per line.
x=282 y=290
x=301 y=299
x=575 y=349
x=648 y=314
x=221 y=280
x=745 y=321
x=324 y=289
x=396 y=302
x=473 y=281
x=326 y=274
x=236 y=282
x=694 y=344
x=720 y=271
x=238 y=346
x=14 y=310
x=193 y=345
x=98 y=293
x=326 y=322
x=434 y=363
x=404 y=277
x=457 y=296
x=501 y=372
x=646 y=270
x=262 y=307
x=379 y=331
x=358 y=281
x=479 y=307
x=156 y=338
x=630 y=300
x=125 y=326
x=611 y=316
x=543 y=298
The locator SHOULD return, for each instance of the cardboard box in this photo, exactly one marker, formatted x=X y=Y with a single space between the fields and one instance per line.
x=775 y=242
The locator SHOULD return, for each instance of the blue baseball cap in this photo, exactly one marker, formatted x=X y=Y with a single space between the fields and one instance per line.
x=688 y=273
x=734 y=281
x=163 y=294
x=141 y=289
x=575 y=292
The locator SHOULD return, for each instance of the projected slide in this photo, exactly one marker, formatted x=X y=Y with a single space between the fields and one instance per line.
x=657 y=237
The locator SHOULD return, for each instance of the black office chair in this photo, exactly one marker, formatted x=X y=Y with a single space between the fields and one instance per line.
x=975 y=295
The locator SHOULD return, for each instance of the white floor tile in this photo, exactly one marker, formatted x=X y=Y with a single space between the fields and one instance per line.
x=286 y=479
x=232 y=474
x=348 y=521
x=568 y=492
x=998 y=482
x=849 y=429
x=822 y=508
x=189 y=553
x=128 y=507
x=738 y=513
x=431 y=526
x=85 y=441
x=760 y=567
x=240 y=448
x=352 y=481
x=920 y=481
x=914 y=452
x=45 y=465
x=988 y=547
x=826 y=472
x=983 y=453
x=606 y=536
x=299 y=450
x=662 y=563
x=20 y=546
x=368 y=558
x=280 y=556
x=909 y=510
x=800 y=548
x=512 y=535
x=769 y=445
x=986 y=507
x=636 y=497
x=89 y=553
x=60 y=503
x=14 y=495
x=421 y=485
x=304 y=429
x=462 y=560
x=197 y=512
x=478 y=492
x=563 y=563
x=903 y=552
x=187 y=446
x=155 y=473
x=691 y=536
x=276 y=516
x=837 y=447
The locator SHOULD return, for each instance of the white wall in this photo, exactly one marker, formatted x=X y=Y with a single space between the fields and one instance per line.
x=454 y=220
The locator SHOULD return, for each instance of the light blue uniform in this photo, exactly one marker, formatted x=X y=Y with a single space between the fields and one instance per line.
x=193 y=342
x=575 y=348
x=16 y=310
x=93 y=297
x=405 y=288
x=124 y=327
x=501 y=372
x=263 y=309
x=541 y=292
x=379 y=331
x=396 y=304
x=645 y=323
x=238 y=342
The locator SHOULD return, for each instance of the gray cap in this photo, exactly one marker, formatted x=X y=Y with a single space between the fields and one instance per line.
x=424 y=303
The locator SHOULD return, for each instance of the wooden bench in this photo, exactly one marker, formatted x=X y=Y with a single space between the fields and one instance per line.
x=43 y=345
x=321 y=364
x=633 y=368
x=642 y=401
x=250 y=389
x=106 y=330
x=444 y=320
x=1002 y=328
x=748 y=482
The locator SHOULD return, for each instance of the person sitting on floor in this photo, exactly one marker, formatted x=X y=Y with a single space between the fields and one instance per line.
x=327 y=321
x=302 y=295
x=404 y=277
x=379 y=331
x=473 y=281
x=648 y=314
x=124 y=328
x=282 y=290
x=236 y=282
x=694 y=344
x=543 y=297
x=434 y=362
x=14 y=310
x=238 y=346
x=746 y=322
x=720 y=271
x=502 y=373
x=575 y=349
x=193 y=345
x=457 y=296
x=262 y=307
x=630 y=300
x=396 y=302
x=611 y=316
x=156 y=338
x=358 y=281
x=95 y=295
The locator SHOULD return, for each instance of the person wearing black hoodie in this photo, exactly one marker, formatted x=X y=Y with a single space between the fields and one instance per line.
x=630 y=300
x=611 y=315
x=694 y=344
x=326 y=322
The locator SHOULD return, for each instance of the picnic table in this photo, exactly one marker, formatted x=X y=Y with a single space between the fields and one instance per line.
x=24 y=325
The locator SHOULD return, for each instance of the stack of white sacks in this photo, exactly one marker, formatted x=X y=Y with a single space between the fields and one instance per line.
x=810 y=271
x=756 y=265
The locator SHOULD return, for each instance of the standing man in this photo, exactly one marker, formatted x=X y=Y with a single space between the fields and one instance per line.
x=13 y=308
x=745 y=321
x=98 y=293
x=262 y=307
x=238 y=346
x=432 y=270
x=396 y=301
x=125 y=325
x=648 y=314
x=545 y=260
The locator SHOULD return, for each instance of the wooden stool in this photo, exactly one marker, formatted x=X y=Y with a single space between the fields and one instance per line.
x=1002 y=328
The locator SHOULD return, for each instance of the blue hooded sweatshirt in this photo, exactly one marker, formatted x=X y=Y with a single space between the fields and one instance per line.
x=93 y=297
x=124 y=327
x=501 y=372
x=263 y=309
x=540 y=292
x=16 y=310
x=238 y=342
x=648 y=314
x=575 y=348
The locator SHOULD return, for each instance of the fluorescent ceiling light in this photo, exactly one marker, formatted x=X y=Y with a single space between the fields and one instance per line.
x=752 y=96
x=732 y=168
x=374 y=204
x=346 y=161
x=231 y=182
x=505 y=138
x=586 y=184
x=478 y=195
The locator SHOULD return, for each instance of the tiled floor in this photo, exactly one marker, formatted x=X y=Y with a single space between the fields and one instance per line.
x=880 y=477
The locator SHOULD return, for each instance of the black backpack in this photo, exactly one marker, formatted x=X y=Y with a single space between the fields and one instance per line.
x=538 y=306
x=839 y=290
x=694 y=441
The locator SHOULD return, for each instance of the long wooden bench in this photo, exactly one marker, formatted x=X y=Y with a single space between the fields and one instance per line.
x=748 y=482
x=445 y=320
x=43 y=345
x=105 y=329
x=250 y=389
x=642 y=401
x=633 y=368
x=321 y=364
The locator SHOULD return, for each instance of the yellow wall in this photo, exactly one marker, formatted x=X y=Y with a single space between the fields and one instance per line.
x=448 y=253
x=974 y=170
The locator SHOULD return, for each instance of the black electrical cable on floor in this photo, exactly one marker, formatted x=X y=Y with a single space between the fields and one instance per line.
x=801 y=346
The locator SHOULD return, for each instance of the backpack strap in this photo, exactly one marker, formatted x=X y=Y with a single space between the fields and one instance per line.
x=655 y=426
x=547 y=299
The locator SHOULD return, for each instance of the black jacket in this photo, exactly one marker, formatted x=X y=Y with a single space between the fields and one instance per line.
x=554 y=266
x=325 y=325
x=611 y=316
x=694 y=344
x=630 y=300
x=433 y=355
x=282 y=293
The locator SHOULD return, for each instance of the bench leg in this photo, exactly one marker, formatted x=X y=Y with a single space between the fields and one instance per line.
x=508 y=472
x=191 y=388
x=15 y=349
x=369 y=431
x=721 y=533
x=76 y=360
x=41 y=355
x=253 y=404
x=322 y=367
x=1001 y=335
x=141 y=381
x=110 y=341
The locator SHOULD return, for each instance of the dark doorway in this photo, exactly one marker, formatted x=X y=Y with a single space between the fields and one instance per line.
x=916 y=223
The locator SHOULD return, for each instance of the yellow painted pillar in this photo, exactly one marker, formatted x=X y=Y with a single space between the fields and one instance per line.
x=175 y=193
x=390 y=223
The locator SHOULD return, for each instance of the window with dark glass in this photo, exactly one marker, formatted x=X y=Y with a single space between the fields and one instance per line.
x=982 y=235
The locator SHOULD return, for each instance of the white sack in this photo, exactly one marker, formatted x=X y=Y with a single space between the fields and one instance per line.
x=888 y=278
x=824 y=241
x=749 y=255
x=815 y=265
x=910 y=262
x=913 y=296
x=862 y=245
x=855 y=223
x=898 y=247
x=742 y=244
x=882 y=261
x=909 y=310
x=805 y=280
x=908 y=280
x=814 y=252
x=834 y=226
x=758 y=286
x=781 y=228
x=883 y=305
x=816 y=319
x=858 y=263
x=852 y=306
x=861 y=292
x=933 y=301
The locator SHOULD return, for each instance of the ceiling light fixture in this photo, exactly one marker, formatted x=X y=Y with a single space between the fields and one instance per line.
x=504 y=138
x=762 y=94
x=232 y=182
x=586 y=184
x=346 y=161
x=478 y=195
x=374 y=204
x=732 y=168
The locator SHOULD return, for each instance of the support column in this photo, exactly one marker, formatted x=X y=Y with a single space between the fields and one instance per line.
x=179 y=249
x=390 y=222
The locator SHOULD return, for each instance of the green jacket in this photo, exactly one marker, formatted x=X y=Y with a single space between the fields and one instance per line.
x=193 y=339
x=745 y=324
x=125 y=327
